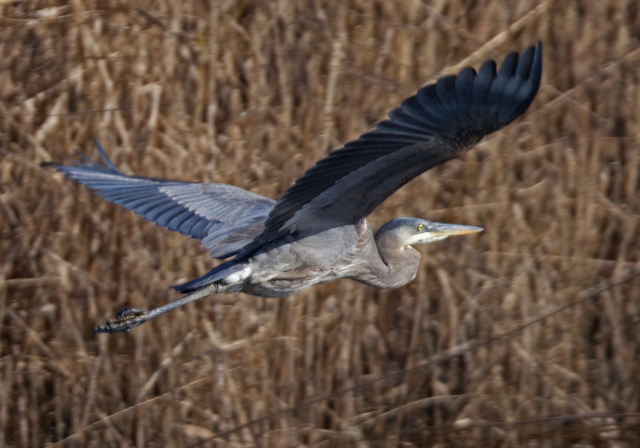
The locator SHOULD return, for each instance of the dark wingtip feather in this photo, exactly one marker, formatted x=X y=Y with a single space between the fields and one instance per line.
x=471 y=105
x=509 y=65
x=104 y=157
x=85 y=162
x=521 y=88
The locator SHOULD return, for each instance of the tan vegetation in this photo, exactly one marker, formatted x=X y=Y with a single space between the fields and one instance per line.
x=251 y=93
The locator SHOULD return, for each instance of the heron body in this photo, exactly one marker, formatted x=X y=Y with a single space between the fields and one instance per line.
x=291 y=264
x=317 y=231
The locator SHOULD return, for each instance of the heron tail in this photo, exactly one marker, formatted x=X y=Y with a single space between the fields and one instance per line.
x=215 y=275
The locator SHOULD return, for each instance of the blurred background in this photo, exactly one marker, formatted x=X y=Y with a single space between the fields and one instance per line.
x=252 y=93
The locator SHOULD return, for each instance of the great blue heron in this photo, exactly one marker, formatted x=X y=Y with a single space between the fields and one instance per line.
x=318 y=231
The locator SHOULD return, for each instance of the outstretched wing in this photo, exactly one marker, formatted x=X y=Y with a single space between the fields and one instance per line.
x=225 y=218
x=440 y=122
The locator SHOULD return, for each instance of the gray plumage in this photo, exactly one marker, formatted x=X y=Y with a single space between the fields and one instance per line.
x=317 y=231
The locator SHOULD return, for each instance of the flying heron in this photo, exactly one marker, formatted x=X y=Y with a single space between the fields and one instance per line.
x=317 y=231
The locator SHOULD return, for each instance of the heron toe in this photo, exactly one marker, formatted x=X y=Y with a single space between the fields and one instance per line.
x=126 y=320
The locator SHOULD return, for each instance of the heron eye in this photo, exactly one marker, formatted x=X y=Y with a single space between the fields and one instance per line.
x=420 y=227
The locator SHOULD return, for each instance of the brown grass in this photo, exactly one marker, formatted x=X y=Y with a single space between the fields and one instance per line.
x=251 y=93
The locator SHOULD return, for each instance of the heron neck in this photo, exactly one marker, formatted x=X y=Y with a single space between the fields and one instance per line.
x=394 y=265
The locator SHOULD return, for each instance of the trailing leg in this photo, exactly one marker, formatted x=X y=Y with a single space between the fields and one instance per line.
x=129 y=318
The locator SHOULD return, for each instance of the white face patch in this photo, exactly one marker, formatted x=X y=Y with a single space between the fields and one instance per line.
x=426 y=237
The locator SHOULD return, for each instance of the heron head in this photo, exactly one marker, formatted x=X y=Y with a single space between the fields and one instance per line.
x=408 y=231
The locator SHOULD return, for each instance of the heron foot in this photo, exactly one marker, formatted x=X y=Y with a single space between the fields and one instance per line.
x=126 y=320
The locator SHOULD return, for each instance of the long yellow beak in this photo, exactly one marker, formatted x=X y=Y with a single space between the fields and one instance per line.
x=441 y=229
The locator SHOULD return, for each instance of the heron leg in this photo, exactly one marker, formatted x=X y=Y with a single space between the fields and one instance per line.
x=129 y=318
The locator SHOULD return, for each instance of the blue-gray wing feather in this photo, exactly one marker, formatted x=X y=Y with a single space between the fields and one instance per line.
x=225 y=218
